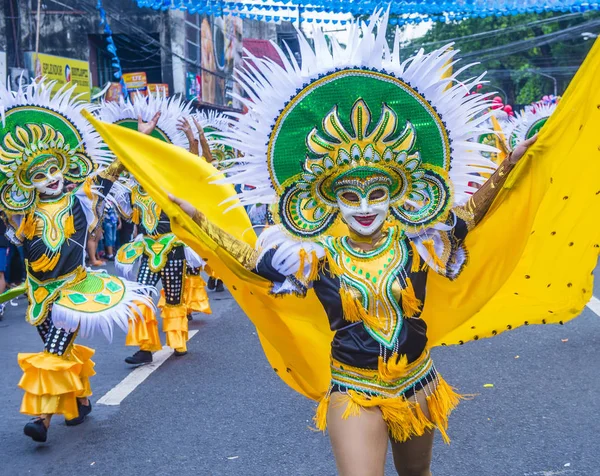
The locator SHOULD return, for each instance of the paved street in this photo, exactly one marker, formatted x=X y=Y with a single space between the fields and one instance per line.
x=220 y=410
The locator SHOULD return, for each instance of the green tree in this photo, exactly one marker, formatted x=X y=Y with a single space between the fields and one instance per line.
x=519 y=52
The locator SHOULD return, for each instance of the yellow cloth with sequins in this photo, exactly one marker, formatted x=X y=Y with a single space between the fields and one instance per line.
x=531 y=258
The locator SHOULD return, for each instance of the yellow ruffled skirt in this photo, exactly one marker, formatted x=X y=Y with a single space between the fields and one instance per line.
x=175 y=326
x=386 y=388
x=53 y=383
x=143 y=333
x=195 y=296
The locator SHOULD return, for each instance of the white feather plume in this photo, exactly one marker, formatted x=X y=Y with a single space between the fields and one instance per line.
x=171 y=109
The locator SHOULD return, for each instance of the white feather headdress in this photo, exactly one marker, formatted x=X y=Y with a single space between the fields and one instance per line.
x=171 y=109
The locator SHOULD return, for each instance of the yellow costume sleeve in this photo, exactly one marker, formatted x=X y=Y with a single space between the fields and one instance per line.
x=530 y=258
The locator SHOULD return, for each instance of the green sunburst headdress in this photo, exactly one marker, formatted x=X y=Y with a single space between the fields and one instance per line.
x=125 y=113
x=37 y=126
x=214 y=124
x=355 y=113
x=528 y=122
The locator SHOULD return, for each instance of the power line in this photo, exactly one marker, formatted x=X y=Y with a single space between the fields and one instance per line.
x=524 y=45
x=502 y=31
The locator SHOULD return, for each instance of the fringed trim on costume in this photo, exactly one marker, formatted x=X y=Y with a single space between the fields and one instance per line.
x=104 y=320
x=316 y=265
x=416 y=258
x=27 y=227
x=135 y=216
x=405 y=419
x=175 y=326
x=411 y=305
x=143 y=331
x=429 y=245
x=354 y=311
x=195 y=296
x=53 y=383
x=126 y=271
x=193 y=259
x=45 y=263
x=69 y=226
x=87 y=188
x=334 y=269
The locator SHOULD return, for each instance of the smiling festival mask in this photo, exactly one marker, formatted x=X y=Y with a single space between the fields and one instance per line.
x=363 y=199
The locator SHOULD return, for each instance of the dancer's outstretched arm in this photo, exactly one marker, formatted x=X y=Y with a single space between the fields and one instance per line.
x=240 y=250
x=481 y=201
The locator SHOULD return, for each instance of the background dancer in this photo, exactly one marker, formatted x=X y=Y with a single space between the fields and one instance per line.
x=47 y=141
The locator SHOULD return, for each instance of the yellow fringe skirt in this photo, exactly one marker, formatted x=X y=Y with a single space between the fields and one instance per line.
x=393 y=388
x=53 y=383
x=143 y=333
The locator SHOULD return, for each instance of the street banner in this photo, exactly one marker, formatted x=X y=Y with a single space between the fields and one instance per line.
x=136 y=83
x=161 y=88
x=62 y=70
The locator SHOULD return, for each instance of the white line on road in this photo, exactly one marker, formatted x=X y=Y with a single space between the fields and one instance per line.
x=117 y=394
x=594 y=305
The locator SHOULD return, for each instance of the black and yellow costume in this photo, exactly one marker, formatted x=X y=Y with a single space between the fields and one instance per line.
x=46 y=141
x=162 y=257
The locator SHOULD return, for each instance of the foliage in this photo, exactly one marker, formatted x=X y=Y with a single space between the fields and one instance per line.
x=517 y=50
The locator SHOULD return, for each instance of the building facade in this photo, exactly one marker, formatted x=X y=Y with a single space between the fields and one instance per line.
x=192 y=55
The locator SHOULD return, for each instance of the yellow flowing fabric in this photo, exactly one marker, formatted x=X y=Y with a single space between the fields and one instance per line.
x=531 y=258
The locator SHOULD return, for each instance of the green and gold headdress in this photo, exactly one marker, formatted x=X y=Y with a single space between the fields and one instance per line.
x=528 y=122
x=126 y=113
x=37 y=127
x=214 y=124
x=358 y=113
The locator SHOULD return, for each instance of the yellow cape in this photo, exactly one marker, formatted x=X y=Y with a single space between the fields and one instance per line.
x=531 y=258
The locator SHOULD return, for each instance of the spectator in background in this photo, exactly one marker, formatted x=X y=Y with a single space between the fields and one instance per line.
x=126 y=232
x=111 y=224
x=92 y=247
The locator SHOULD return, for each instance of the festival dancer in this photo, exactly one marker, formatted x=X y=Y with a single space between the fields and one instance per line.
x=161 y=256
x=46 y=142
x=379 y=156
x=195 y=295
x=389 y=147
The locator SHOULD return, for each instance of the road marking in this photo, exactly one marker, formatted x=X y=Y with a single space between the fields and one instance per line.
x=594 y=305
x=117 y=394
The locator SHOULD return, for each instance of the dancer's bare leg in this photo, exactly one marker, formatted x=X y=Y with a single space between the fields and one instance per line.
x=413 y=457
x=360 y=442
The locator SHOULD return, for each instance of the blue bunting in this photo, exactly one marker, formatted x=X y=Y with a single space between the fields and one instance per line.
x=111 y=48
x=402 y=12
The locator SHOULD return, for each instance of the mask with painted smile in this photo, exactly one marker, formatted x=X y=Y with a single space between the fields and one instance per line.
x=47 y=178
x=364 y=206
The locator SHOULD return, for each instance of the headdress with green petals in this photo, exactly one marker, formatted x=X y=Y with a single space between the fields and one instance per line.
x=358 y=113
x=528 y=122
x=214 y=124
x=126 y=113
x=39 y=126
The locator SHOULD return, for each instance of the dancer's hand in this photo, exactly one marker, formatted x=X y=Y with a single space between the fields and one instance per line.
x=187 y=207
x=184 y=125
x=520 y=150
x=199 y=128
x=148 y=127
